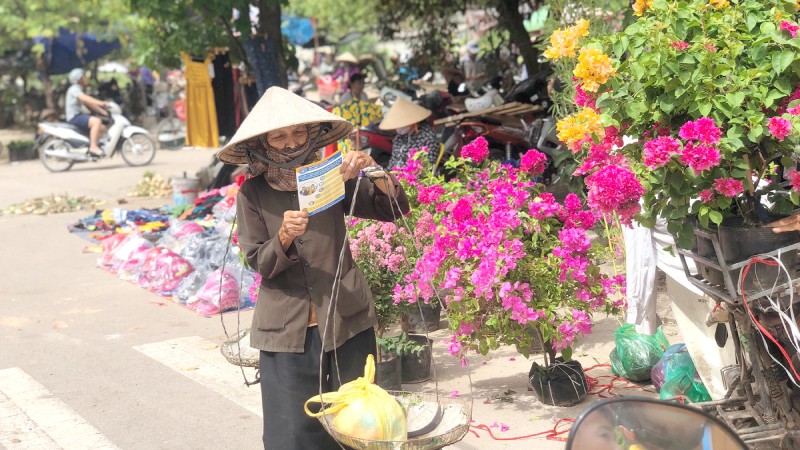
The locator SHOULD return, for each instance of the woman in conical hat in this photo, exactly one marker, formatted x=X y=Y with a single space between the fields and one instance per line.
x=410 y=122
x=297 y=257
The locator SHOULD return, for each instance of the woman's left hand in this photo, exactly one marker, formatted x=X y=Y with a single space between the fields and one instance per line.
x=353 y=163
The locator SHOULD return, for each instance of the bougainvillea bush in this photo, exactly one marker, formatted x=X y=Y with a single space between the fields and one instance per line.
x=503 y=256
x=709 y=90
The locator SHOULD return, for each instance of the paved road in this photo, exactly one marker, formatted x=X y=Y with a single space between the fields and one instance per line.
x=89 y=361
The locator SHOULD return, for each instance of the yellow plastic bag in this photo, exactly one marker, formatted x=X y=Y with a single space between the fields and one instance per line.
x=363 y=409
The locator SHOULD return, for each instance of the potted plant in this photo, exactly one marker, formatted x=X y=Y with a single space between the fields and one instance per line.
x=504 y=256
x=415 y=354
x=379 y=250
x=710 y=92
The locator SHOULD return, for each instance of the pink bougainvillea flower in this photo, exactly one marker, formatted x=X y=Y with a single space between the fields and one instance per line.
x=533 y=162
x=582 y=98
x=795 y=111
x=512 y=359
x=728 y=187
x=428 y=195
x=700 y=157
x=454 y=394
x=792 y=28
x=707 y=195
x=703 y=129
x=504 y=427
x=462 y=210
x=779 y=127
x=659 y=151
x=794 y=180
x=477 y=150
x=680 y=45
x=615 y=189
x=711 y=48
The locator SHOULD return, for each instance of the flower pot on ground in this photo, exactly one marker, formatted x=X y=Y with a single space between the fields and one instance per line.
x=421 y=317
x=559 y=384
x=388 y=371
x=415 y=355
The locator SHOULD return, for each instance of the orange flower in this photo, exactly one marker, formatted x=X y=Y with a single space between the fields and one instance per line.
x=574 y=129
x=564 y=41
x=719 y=4
x=594 y=68
x=640 y=5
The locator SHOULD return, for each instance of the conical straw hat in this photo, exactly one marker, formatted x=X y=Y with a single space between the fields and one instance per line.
x=348 y=58
x=402 y=114
x=279 y=108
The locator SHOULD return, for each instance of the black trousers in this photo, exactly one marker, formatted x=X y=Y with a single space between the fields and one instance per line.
x=289 y=379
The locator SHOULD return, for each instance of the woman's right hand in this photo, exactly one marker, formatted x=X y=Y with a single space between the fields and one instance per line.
x=294 y=225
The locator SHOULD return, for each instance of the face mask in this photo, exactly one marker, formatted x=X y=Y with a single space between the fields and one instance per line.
x=404 y=130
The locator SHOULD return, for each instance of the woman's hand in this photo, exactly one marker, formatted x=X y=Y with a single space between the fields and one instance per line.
x=791 y=223
x=294 y=225
x=353 y=163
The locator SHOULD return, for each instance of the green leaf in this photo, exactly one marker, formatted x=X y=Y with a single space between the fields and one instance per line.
x=784 y=86
x=780 y=61
x=752 y=21
x=635 y=109
x=758 y=53
x=667 y=103
x=735 y=98
x=704 y=108
x=715 y=217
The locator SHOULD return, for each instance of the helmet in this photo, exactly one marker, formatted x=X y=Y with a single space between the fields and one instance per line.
x=75 y=75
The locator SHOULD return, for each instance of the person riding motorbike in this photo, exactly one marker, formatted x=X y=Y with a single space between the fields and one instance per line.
x=75 y=116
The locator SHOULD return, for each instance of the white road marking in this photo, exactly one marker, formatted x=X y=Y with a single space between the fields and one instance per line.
x=200 y=360
x=30 y=418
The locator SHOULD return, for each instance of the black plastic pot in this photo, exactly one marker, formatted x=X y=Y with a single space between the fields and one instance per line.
x=561 y=384
x=428 y=319
x=740 y=243
x=416 y=368
x=388 y=370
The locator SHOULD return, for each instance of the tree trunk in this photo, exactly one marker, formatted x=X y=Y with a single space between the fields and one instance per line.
x=512 y=20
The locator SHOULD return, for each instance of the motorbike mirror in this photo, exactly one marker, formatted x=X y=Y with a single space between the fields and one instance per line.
x=627 y=424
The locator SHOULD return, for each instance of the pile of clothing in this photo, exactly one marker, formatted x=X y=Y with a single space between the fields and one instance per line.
x=193 y=262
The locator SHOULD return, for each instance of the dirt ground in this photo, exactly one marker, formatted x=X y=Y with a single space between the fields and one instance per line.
x=79 y=332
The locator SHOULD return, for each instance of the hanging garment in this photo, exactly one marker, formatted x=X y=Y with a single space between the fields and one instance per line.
x=201 y=113
x=224 y=95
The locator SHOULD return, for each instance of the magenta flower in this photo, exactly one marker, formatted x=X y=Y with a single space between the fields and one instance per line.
x=462 y=210
x=728 y=187
x=615 y=189
x=583 y=99
x=703 y=129
x=477 y=150
x=779 y=127
x=707 y=195
x=790 y=27
x=680 y=45
x=794 y=180
x=428 y=195
x=659 y=151
x=795 y=111
x=700 y=157
x=533 y=162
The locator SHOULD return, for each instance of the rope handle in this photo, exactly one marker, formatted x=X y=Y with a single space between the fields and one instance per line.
x=347 y=392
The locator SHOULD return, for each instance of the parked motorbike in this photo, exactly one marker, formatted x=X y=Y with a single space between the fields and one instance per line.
x=376 y=143
x=648 y=424
x=61 y=144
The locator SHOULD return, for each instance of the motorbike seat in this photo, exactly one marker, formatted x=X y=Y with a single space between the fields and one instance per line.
x=68 y=126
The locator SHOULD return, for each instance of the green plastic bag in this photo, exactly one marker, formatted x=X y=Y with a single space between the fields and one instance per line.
x=681 y=379
x=635 y=354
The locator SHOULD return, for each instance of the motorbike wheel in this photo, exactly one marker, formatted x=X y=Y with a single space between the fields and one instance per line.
x=138 y=150
x=54 y=164
x=171 y=133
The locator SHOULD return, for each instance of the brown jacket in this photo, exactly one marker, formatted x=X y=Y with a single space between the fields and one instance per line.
x=304 y=274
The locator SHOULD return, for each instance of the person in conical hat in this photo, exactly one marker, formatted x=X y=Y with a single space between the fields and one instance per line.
x=410 y=121
x=298 y=258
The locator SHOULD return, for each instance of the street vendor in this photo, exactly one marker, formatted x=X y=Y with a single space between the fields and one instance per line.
x=298 y=256
x=410 y=121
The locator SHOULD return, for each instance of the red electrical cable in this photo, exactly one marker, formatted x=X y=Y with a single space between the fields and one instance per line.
x=752 y=262
x=551 y=435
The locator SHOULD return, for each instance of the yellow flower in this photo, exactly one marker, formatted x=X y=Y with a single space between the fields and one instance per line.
x=564 y=41
x=594 y=68
x=575 y=128
x=640 y=5
x=719 y=3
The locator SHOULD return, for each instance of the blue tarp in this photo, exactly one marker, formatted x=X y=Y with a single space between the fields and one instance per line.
x=68 y=50
x=297 y=30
